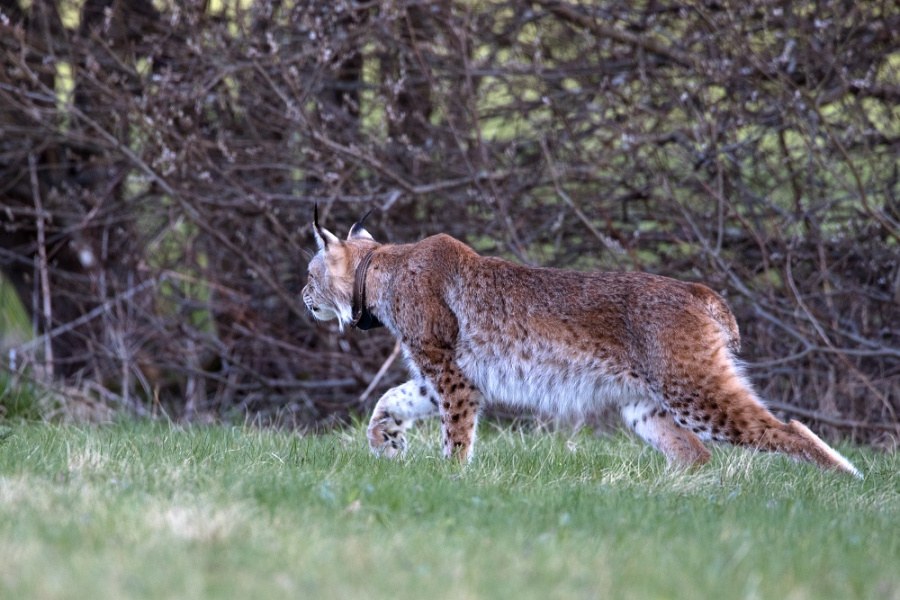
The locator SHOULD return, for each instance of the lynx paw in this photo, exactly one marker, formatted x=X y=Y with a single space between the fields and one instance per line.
x=387 y=436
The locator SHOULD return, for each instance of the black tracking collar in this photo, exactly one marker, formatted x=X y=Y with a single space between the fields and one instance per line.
x=362 y=317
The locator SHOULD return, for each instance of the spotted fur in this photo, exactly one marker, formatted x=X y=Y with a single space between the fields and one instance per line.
x=477 y=329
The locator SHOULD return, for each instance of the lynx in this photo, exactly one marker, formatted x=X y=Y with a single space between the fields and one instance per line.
x=477 y=329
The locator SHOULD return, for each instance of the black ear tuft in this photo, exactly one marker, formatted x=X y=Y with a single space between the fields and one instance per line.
x=323 y=241
x=358 y=231
x=323 y=236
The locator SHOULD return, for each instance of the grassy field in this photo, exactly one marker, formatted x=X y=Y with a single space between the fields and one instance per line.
x=142 y=510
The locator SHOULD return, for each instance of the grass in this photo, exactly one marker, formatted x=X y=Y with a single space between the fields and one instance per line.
x=142 y=510
x=20 y=400
x=14 y=323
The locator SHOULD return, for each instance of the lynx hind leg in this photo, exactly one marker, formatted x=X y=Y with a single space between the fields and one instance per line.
x=726 y=409
x=809 y=447
x=755 y=427
x=656 y=426
x=395 y=412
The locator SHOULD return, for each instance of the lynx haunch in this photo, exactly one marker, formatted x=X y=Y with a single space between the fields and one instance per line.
x=476 y=330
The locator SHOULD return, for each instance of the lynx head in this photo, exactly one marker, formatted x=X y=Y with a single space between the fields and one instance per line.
x=329 y=292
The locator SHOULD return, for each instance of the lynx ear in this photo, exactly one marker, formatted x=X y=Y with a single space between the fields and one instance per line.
x=358 y=231
x=323 y=236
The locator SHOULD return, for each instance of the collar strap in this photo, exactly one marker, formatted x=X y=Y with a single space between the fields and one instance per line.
x=362 y=316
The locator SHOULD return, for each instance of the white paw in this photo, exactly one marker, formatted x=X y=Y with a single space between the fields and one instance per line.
x=387 y=437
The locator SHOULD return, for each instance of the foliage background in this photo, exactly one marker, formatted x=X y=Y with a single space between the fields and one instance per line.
x=159 y=163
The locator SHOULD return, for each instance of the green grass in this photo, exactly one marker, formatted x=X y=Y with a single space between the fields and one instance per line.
x=20 y=399
x=137 y=510
x=14 y=323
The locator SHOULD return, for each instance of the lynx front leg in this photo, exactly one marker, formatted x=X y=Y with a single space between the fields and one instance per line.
x=459 y=402
x=459 y=405
x=395 y=412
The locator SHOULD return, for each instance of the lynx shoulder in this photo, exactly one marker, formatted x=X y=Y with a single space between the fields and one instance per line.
x=476 y=330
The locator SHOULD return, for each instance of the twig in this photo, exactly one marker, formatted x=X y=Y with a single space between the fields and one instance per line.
x=572 y=14
x=609 y=244
x=375 y=380
x=833 y=421
x=186 y=206
x=90 y=315
x=43 y=267
x=789 y=276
